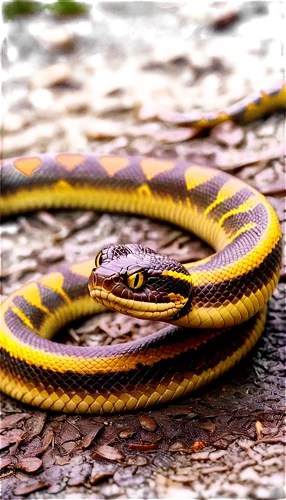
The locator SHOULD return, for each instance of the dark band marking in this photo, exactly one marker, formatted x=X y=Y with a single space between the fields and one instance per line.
x=274 y=92
x=235 y=222
x=206 y=193
x=237 y=111
x=50 y=299
x=256 y=101
x=74 y=285
x=35 y=315
x=230 y=203
x=172 y=183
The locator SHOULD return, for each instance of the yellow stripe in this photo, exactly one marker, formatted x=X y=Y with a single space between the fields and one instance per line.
x=176 y=275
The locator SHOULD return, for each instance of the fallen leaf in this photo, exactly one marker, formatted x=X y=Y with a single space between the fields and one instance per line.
x=108 y=452
x=12 y=420
x=89 y=437
x=15 y=435
x=4 y=442
x=100 y=477
x=147 y=423
x=29 y=464
x=143 y=446
x=208 y=427
x=198 y=445
x=5 y=461
x=259 y=426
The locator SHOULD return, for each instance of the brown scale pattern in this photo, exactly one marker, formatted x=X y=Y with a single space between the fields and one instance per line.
x=219 y=346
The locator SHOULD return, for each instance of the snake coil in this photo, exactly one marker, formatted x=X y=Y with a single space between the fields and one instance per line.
x=216 y=307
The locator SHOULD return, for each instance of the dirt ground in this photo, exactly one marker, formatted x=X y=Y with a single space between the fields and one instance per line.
x=98 y=82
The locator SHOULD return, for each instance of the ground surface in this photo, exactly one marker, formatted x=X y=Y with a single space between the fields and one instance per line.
x=109 y=74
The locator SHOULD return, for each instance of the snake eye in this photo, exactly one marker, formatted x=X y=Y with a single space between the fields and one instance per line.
x=135 y=280
x=98 y=259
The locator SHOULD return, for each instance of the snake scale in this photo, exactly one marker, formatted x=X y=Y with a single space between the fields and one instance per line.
x=216 y=307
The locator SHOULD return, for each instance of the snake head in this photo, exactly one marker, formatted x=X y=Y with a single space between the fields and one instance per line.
x=139 y=282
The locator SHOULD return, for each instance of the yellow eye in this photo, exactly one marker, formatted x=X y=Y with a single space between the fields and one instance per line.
x=136 y=280
x=98 y=259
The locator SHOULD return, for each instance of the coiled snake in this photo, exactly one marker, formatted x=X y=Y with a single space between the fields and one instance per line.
x=221 y=299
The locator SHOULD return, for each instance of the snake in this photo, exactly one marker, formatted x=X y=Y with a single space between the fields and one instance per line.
x=215 y=308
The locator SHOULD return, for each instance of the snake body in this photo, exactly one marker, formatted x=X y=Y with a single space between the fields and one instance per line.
x=216 y=307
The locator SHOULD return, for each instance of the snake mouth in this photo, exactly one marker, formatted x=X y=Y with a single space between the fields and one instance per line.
x=161 y=311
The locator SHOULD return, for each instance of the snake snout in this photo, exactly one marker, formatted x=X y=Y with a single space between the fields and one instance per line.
x=97 y=280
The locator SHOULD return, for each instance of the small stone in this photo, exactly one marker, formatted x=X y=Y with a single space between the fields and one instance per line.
x=259 y=426
x=111 y=491
x=56 y=37
x=102 y=129
x=267 y=130
x=137 y=460
x=24 y=252
x=249 y=474
x=114 y=145
x=176 y=135
x=13 y=122
x=126 y=433
x=208 y=427
x=99 y=477
x=216 y=455
x=51 y=75
x=203 y=455
x=51 y=255
x=228 y=134
x=6 y=246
